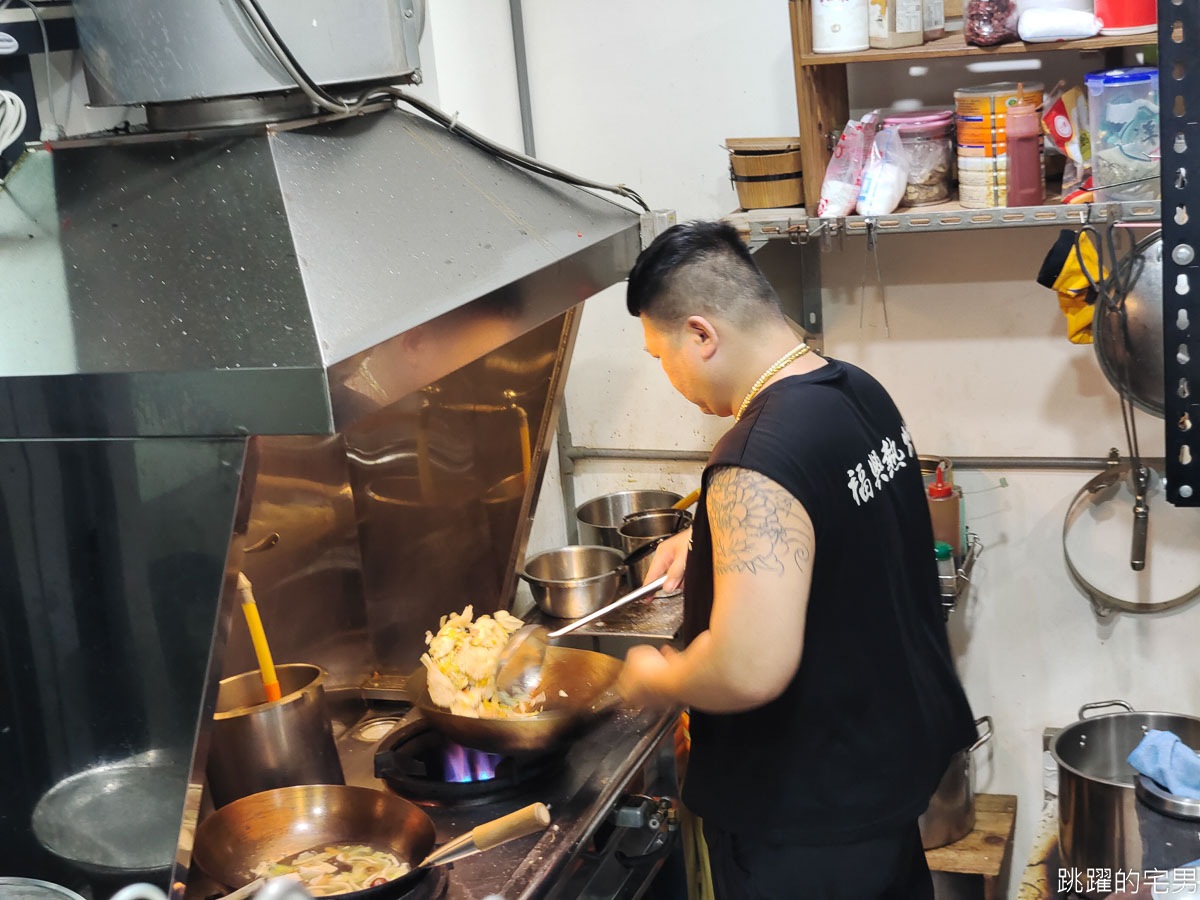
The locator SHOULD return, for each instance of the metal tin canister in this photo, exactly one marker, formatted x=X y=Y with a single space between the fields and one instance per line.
x=257 y=746
x=980 y=112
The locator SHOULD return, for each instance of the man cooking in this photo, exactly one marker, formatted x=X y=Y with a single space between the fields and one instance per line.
x=824 y=702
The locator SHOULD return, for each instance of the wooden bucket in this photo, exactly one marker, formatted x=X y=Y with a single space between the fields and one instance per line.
x=766 y=171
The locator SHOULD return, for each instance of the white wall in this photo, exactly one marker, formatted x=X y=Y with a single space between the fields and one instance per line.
x=977 y=356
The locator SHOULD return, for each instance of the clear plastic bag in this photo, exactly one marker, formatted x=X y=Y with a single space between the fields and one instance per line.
x=885 y=177
x=843 y=175
x=990 y=22
x=1065 y=122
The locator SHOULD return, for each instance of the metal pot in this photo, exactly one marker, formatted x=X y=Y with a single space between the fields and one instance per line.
x=601 y=519
x=573 y=581
x=951 y=813
x=651 y=526
x=1097 y=805
x=258 y=745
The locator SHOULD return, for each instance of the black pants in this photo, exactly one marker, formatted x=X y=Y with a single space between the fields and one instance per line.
x=887 y=868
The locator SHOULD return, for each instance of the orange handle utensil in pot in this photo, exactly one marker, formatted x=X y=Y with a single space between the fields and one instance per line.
x=688 y=500
x=259 y=638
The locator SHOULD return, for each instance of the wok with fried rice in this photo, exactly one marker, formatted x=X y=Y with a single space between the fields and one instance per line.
x=576 y=688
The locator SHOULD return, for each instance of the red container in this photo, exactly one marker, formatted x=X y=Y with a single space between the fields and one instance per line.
x=1127 y=16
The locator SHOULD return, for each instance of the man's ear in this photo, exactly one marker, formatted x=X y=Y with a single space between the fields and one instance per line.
x=703 y=333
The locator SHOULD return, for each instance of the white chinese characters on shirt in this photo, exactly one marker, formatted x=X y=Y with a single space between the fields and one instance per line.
x=883 y=464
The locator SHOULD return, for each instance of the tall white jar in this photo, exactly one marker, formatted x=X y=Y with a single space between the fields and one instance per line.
x=840 y=26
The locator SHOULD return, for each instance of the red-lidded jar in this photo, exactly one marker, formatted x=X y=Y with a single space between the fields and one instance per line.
x=928 y=138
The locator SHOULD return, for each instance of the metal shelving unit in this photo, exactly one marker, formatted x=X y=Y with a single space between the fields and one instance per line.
x=797 y=225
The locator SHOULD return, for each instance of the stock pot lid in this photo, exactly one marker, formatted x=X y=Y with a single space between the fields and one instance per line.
x=1160 y=799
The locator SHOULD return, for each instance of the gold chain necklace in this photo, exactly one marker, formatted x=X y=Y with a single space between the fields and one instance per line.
x=782 y=363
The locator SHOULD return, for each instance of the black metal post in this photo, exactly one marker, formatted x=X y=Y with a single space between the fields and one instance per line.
x=1179 y=117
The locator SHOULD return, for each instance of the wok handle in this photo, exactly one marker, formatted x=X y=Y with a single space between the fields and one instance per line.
x=533 y=818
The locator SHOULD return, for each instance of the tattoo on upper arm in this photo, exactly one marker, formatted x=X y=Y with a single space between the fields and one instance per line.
x=757 y=525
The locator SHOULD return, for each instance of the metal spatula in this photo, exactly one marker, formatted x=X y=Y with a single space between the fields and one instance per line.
x=519 y=669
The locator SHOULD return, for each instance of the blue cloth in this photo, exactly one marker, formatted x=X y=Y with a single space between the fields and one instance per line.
x=1163 y=757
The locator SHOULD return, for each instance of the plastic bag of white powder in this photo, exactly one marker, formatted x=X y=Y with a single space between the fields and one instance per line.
x=885 y=177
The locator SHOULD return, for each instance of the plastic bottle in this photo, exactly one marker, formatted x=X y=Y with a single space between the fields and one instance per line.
x=947 y=573
x=1023 y=126
x=944 y=504
x=935 y=20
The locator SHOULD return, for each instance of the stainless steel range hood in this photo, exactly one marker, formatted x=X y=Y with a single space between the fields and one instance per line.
x=245 y=284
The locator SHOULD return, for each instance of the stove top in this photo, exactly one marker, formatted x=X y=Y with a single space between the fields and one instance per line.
x=580 y=785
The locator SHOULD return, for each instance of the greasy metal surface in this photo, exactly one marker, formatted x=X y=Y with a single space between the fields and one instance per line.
x=142 y=51
x=111 y=553
x=444 y=491
x=203 y=287
x=308 y=584
x=657 y=619
x=598 y=770
x=276 y=824
x=572 y=681
x=153 y=291
x=397 y=223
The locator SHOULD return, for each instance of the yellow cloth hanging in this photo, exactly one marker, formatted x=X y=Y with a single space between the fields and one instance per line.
x=1062 y=273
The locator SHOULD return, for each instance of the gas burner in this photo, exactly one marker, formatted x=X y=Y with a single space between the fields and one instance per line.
x=432 y=887
x=422 y=766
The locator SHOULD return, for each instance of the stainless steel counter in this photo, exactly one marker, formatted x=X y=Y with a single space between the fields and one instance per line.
x=659 y=619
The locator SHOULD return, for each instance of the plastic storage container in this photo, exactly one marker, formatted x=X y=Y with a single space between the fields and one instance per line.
x=928 y=138
x=1123 y=109
x=1026 y=178
x=1127 y=16
x=840 y=26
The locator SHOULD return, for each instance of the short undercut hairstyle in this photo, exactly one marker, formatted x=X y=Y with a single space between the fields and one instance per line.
x=700 y=268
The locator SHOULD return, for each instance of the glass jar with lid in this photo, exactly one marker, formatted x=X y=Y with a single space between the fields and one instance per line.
x=928 y=138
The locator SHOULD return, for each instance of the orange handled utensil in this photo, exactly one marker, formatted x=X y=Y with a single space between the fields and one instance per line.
x=688 y=500
x=259 y=638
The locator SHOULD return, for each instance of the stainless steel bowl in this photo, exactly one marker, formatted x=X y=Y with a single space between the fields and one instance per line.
x=600 y=519
x=573 y=581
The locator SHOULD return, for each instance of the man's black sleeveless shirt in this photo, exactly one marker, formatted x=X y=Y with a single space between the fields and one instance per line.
x=856 y=744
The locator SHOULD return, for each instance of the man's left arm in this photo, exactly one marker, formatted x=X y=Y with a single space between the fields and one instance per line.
x=763 y=546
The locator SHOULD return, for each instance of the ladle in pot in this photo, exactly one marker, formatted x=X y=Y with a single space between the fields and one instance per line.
x=519 y=668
